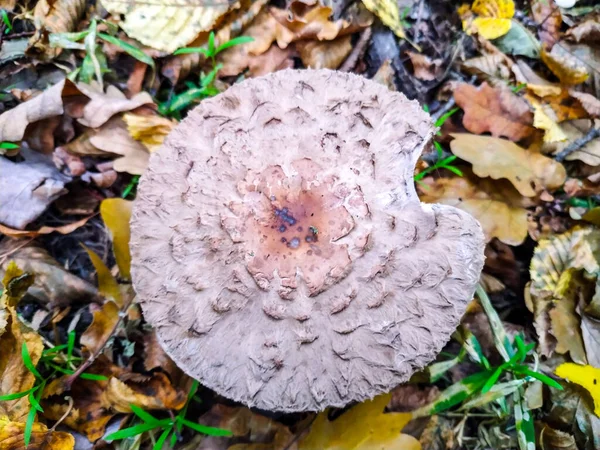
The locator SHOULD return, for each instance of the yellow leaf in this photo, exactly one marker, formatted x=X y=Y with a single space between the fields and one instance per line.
x=528 y=171
x=116 y=214
x=363 y=427
x=543 y=121
x=149 y=130
x=107 y=285
x=12 y=437
x=102 y=326
x=490 y=28
x=566 y=66
x=504 y=9
x=586 y=376
x=388 y=13
x=166 y=24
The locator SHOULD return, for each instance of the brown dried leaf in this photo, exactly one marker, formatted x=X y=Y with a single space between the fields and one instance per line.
x=385 y=75
x=272 y=60
x=424 y=68
x=103 y=105
x=495 y=204
x=529 y=172
x=492 y=67
x=12 y=437
x=566 y=66
x=63 y=229
x=156 y=357
x=325 y=54
x=53 y=284
x=535 y=83
x=102 y=327
x=494 y=109
x=588 y=30
x=549 y=19
x=589 y=102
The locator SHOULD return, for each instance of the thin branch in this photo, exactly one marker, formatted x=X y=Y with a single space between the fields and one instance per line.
x=577 y=144
x=357 y=51
x=64 y=416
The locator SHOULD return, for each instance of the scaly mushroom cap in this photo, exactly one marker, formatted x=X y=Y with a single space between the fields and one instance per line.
x=281 y=251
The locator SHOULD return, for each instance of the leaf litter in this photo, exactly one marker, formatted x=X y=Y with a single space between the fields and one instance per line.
x=516 y=96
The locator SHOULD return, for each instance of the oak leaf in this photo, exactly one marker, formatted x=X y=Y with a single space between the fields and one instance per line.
x=528 y=171
x=545 y=118
x=589 y=102
x=497 y=205
x=494 y=109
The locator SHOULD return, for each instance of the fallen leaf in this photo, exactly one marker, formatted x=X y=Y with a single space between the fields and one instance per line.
x=493 y=18
x=14 y=376
x=102 y=327
x=156 y=358
x=103 y=105
x=584 y=375
x=116 y=214
x=63 y=229
x=535 y=83
x=549 y=20
x=272 y=60
x=590 y=103
x=389 y=13
x=12 y=437
x=496 y=205
x=363 y=427
x=424 y=68
x=53 y=285
x=96 y=402
x=107 y=285
x=385 y=75
x=494 y=109
x=149 y=130
x=519 y=41
x=573 y=130
x=325 y=54
x=529 y=172
x=551 y=439
x=166 y=24
x=54 y=16
x=566 y=66
x=27 y=188
x=492 y=68
x=544 y=118
x=588 y=30
x=438 y=434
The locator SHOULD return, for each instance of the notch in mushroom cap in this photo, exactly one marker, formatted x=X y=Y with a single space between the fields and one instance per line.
x=281 y=251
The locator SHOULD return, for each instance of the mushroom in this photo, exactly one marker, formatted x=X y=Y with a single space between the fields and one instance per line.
x=281 y=252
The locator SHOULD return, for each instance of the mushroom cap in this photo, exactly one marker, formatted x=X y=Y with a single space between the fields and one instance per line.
x=281 y=252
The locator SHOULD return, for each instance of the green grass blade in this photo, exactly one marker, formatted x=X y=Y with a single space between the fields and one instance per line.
x=161 y=440
x=29 y=426
x=497 y=392
x=27 y=361
x=492 y=380
x=211 y=44
x=137 y=429
x=188 y=50
x=70 y=346
x=6 y=20
x=235 y=41
x=35 y=404
x=6 y=398
x=186 y=98
x=211 y=431
x=131 y=50
x=145 y=416
x=92 y=377
x=53 y=350
x=441 y=120
x=538 y=376
x=523 y=422
x=8 y=145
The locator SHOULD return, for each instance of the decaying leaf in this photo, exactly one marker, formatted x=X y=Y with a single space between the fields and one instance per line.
x=590 y=103
x=150 y=130
x=566 y=66
x=492 y=67
x=424 y=67
x=116 y=214
x=14 y=376
x=388 y=12
x=53 y=285
x=494 y=109
x=496 y=205
x=551 y=439
x=576 y=129
x=363 y=427
x=588 y=30
x=103 y=325
x=166 y=24
x=493 y=18
x=549 y=19
x=529 y=172
x=12 y=437
x=325 y=54
x=96 y=402
x=585 y=376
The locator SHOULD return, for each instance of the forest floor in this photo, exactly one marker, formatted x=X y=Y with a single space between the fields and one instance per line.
x=89 y=89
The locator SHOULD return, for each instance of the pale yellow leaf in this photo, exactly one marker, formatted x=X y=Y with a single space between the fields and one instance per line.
x=388 y=13
x=116 y=214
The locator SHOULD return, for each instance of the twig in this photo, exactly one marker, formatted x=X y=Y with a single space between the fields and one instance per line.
x=577 y=144
x=444 y=109
x=67 y=412
x=357 y=51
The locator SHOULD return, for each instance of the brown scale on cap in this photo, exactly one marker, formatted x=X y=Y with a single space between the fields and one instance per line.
x=280 y=250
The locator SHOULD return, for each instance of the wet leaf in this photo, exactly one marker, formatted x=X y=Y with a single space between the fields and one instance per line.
x=14 y=375
x=364 y=426
x=388 y=12
x=116 y=214
x=12 y=437
x=326 y=54
x=166 y=24
x=494 y=109
x=565 y=65
x=584 y=375
x=529 y=172
x=102 y=327
x=496 y=205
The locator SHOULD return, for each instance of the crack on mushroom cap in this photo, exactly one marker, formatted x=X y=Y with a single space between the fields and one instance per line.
x=279 y=247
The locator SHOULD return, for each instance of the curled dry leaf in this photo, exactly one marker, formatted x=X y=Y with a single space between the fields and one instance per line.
x=364 y=426
x=14 y=376
x=496 y=205
x=166 y=24
x=529 y=172
x=116 y=214
x=424 y=67
x=324 y=54
x=53 y=284
x=494 y=109
x=63 y=229
x=549 y=19
x=12 y=437
x=96 y=402
x=565 y=65
x=28 y=187
x=493 y=18
x=573 y=130
x=102 y=327
x=588 y=30
x=150 y=130
x=103 y=105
